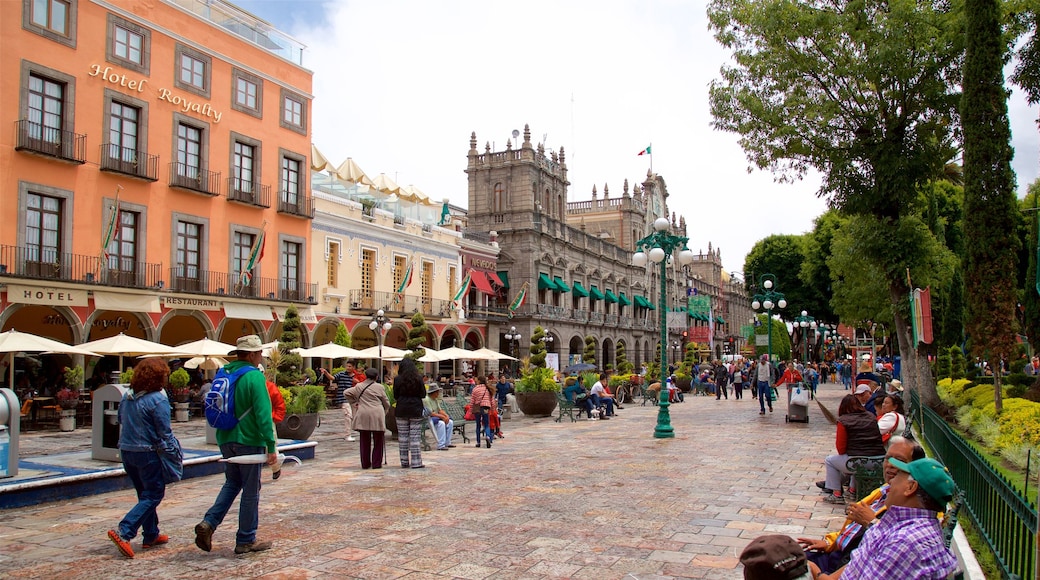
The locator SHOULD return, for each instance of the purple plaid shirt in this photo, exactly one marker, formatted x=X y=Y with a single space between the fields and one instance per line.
x=906 y=543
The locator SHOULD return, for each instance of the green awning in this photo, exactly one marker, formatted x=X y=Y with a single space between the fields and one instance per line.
x=504 y=276
x=544 y=283
x=720 y=320
x=642 y=302
x=579 y=290
x=595 y=294
x=561 y=284
x=624 y=299
x=611 y=297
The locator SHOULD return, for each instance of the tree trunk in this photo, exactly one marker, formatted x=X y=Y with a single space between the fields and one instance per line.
x=998 y=397
x=916 y=371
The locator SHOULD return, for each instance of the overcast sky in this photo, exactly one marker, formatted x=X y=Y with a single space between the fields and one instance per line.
x=399 y=86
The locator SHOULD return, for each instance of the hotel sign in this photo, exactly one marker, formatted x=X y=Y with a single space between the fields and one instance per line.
x=186 y=104
x=46 y=296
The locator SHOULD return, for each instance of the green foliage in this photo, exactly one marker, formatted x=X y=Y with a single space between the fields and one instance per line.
x=589 y=354
x=343 y=337
x=942 y=364
x=538 y=347
x=289 y=366
x=815 y=274
x=616 y=381
x=537 y=380
x=589 y=379
x=179 y=380
x=958 y=363
x=417 y=336
x=990 y=205
x=1031 y=299
x=783 y=256
x=305 y=399
x=781 y=340
x=73 y=377
x=312 y=377
x=623 y=366
x=126 y=376
x=689 y=362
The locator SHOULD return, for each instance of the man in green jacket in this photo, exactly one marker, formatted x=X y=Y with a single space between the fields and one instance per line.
x=253 y=435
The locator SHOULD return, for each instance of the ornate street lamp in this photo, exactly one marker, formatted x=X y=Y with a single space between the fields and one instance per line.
x=675 y=352
x=805 y=321
x=767 y=300
x=513 y=336
x=380 y=325
x=655 y=248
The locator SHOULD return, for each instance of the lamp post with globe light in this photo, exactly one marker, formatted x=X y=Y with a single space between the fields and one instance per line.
x=804 y=321
x=767 y=300
x=380 y=325
x=513 y=336
x=655 y=248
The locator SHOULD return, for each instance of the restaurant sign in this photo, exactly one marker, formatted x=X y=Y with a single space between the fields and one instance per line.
x=174 y=302
x=18 y=294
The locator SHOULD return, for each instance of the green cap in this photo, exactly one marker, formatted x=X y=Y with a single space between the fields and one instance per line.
x=931 y=475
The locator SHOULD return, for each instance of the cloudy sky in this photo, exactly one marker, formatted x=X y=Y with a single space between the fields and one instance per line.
x=399 y=86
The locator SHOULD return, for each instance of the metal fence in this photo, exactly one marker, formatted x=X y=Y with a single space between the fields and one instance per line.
x=1003 y=516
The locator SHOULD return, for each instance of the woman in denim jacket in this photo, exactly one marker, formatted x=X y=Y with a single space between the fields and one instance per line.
x=144 y=418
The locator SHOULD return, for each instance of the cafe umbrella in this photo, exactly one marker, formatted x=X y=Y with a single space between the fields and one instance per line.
x=13 y=341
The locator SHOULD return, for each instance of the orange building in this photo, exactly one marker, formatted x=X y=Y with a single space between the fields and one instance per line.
x=148 y=147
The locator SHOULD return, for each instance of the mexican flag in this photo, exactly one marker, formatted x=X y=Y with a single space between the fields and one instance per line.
x=406 y=279
x=645 y=151
x=462 y=289
x=521 y=296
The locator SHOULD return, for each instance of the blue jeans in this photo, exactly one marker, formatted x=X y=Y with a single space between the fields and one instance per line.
x=144 y=468
x=239 y=477
x=764 y=396
x=607 y=401
x=484 y=423
x=443 y=431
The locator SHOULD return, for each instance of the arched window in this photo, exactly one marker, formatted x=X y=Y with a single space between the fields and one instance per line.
x=562 y=209
x=545 y=202
x=498 y=199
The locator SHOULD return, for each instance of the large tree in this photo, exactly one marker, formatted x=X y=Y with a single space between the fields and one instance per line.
x=990 y=208
x=862 y=91
x=783 y=256
x=1031 y=288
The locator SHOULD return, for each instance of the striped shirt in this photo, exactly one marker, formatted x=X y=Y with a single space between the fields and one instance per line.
x=907 y=543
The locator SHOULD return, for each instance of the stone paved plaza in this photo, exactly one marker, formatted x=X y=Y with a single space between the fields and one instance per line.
x=592 y=499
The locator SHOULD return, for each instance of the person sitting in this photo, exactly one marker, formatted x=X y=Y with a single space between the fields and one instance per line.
x=576 y=394
x=857 y=434
x=601 y=399
x=892 y=418
x=440 y=423
x=835 y=549
x=908 y=541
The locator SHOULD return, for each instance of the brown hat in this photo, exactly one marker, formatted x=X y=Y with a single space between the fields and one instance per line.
x=774 y=557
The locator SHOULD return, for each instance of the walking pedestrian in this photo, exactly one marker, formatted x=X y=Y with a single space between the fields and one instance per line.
x=762 y=378
x=146 y=441
x=370 y=419
x=345 y=379
x=480 y=401
x=252 y=435
x=738 y=382
x=409 y=392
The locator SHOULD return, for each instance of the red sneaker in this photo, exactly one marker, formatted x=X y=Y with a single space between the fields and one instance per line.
x=123 y=545
x=159 y=540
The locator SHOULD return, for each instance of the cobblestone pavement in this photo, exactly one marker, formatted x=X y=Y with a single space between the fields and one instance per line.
x=592 y=499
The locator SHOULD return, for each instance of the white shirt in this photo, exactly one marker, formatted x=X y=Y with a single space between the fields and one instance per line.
x=598 y=389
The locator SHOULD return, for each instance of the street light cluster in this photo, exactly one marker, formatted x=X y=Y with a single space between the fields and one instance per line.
x=767 y=300
x=380 y=325
x=655 y=248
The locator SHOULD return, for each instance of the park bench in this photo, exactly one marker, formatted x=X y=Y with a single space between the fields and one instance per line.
x=565 y=407
x=649 y=396
x=868 y=474
x=457 y=414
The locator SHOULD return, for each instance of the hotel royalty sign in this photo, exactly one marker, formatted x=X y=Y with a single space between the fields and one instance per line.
x=186 y=104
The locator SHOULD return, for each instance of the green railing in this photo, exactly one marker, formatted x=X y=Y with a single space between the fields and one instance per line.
x=1004 y=518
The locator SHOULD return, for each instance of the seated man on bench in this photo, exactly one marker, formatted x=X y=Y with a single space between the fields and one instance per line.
x=601 y=398
x=576 y=394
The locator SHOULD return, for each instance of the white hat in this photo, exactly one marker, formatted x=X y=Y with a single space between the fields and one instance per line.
x=862 y=389
x=249 y=343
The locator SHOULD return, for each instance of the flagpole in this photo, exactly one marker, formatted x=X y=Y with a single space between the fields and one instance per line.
x=651 y=154
x=107 y=236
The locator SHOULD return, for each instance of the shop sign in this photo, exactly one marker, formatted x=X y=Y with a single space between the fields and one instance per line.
x=185 y=104
x=477 y=263
x=18 y=294
x=173 y=302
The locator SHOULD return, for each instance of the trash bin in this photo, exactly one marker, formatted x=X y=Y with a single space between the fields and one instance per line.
x=10 y=424
x=104 y=442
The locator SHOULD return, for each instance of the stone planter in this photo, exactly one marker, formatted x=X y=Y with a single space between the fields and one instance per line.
x=67 y=422
x=298 y=426
x=540 y=404
x=180 y=412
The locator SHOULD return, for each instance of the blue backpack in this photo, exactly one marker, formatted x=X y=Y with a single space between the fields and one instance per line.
x=220 y=400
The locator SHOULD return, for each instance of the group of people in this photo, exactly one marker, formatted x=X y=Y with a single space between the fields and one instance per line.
x=895 y=532
x=596 y=402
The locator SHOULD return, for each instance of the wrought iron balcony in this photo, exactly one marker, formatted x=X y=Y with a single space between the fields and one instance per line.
x=35 y=138
x=366 y=302
x=34 y=263
x=195 y=281
x=129 y=161
x=195 y=179
x=249 y=192
x=301 y=205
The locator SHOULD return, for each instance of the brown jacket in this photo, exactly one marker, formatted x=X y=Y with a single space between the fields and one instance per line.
x=372 y=405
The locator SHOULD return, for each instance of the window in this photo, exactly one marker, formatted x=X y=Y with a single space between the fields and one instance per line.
x=427 y=287
x=122 y=250
x=122 y=132
x=368 y=270
x=498 y=199
x=192 y=70
x=400 y=265
x=242 y=166
x=332 y=265
x=43 y=222
x=290 y=186
x=453 y=284
x=189 y=152
x=128 y=45
x=289 y=270
x=53 y=19
x=241 y=272
x=188 y=258
x=294 y=112
x=46 y=106
x=247 y=94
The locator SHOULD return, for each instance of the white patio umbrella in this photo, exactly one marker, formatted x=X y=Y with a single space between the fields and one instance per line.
x=388 y=353
x=209 y=363
x=205 y=347
x=455 y=353
x=122 y=345
x=329 y=350
x=432 y=355
x=488 y=354
x=13 y=341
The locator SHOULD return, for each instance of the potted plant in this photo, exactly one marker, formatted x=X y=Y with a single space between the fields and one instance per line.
x=536 y=391
x=179 y=380
x=68 y=400
x=301 y=412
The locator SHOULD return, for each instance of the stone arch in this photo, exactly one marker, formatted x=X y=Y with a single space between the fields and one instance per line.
x=607 y=353
x=450 y=337
x=181 y=326
x=231 y=329
x=55 y=322
x=575 y=346
x=325 y=331
x=105 y=323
